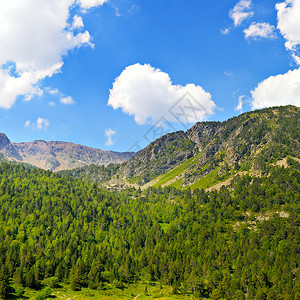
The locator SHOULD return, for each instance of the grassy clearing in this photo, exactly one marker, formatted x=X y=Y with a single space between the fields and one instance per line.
x=137 y=291
x=170 y=175
x=177 y=184
x=204 y=182
x=207 y=181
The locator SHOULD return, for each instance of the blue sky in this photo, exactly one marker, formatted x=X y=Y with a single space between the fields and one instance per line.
x=103 y=73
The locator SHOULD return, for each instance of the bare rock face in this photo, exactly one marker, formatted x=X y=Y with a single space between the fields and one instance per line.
x=159 y=157
x=57 y=155
x=4 y=141
x=202 y=133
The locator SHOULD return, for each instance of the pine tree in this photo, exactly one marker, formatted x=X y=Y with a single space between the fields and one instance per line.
x=5 y=288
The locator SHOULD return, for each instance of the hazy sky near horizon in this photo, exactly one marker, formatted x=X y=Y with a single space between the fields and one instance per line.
x=116 y=74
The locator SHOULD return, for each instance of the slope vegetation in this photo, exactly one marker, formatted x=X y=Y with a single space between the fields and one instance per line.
x=242 y=241
x=209 y=152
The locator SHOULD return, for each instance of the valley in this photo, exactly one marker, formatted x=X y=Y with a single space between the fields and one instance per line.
x=149 y=150
x=217 y=218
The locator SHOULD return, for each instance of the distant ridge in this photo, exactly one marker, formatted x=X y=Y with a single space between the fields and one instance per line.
x=56 y=155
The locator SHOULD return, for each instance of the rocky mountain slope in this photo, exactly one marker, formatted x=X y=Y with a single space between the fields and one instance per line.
x=210 y=152
x=57 y=155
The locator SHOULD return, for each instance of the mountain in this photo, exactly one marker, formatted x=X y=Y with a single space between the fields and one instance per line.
x=57 y=155
x=210 y=152
x=238 y=241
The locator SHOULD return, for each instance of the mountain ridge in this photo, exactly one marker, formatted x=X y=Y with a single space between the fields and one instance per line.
x=58 y=155
x=209 y=152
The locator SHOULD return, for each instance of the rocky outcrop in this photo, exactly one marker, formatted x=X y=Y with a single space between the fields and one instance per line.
x=4 y=141
x=159 y=157
x=202 y=133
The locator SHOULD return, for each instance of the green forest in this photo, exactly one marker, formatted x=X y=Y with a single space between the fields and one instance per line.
x=241 y=242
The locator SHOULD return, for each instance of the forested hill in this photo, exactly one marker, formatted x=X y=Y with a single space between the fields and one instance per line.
x=240 y=242
x=209 y=152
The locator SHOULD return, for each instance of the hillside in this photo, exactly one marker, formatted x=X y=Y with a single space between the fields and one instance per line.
x=236 y=243
x=56 y=155
x=209 y=152
x=229 y=231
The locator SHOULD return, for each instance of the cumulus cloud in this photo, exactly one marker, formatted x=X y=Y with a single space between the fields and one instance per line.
x=91 y=3
x=241 y=12
x=67 y=100
x=40 y=124
x=11 y=87
x=282 y=89
x=27 y=123
x=109 y=133
x=296 y=58
x=239 y=107
x=34 y=37
x=52 y=92
x=260 y=30
x=288 y=15
x=148 y=94
x=77 y=22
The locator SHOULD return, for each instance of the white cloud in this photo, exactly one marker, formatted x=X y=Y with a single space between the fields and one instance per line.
x=62 y=98
x=225 y=31
x=148 y=94
x=282 y=89
x=239 y=107
x=54 y=91
x=241 y=12
x=40 y=124
x=117 y=12
x=228 y=73
x=34 y=37
x=77 y=22
x=296 y=58
x=109 y=133
x=91 y=3
x=260 y=30
x=67 y=100
x=288 y=15
x=11 y=86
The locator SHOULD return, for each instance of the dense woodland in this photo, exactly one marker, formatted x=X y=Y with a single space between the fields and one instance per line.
x=229 y=244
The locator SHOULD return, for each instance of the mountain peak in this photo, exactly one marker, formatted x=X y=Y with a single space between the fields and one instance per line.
x=56 y=155
x=4 y=141
x=210 y=150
